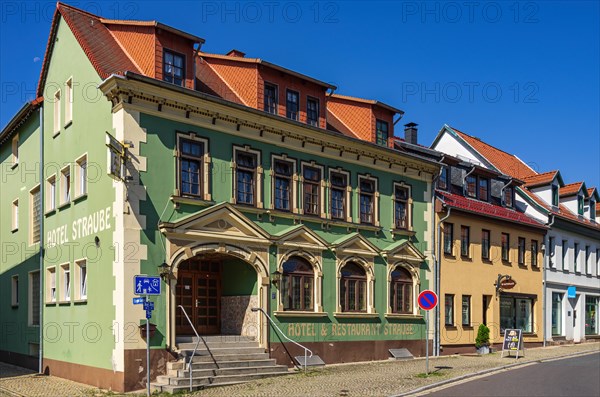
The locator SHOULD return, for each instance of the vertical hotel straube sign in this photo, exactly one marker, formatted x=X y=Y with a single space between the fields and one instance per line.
x=80 y=228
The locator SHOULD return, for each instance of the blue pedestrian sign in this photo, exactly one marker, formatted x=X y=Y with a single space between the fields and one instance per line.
x=572 y=292
x=146 y=285
x=427 y=300
x=139 y=301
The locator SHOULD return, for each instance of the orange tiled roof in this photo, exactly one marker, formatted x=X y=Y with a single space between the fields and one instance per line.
x=368 y=101
x=570 y=189
x=540 y=179
x=507 y=163
x=591 y=191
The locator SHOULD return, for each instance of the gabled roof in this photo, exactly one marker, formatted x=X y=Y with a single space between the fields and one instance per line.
x=572 y=189
x=19 y=118
x=106 y=54
x=506 y=163
x=259 y=61
x=487 y=209
x=543 y=179
x=369 y=102
x=593 y=192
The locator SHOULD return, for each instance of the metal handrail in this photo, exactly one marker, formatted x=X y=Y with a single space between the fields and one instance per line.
x=196 y=347
x=306 y=349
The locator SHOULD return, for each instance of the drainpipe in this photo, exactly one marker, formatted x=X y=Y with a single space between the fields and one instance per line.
x=432 y=248
x=41 y=288
x=544 y=294
x=438 y=273
x=465 y=180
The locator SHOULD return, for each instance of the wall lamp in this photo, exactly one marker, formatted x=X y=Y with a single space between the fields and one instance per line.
x=164 y=271
x=276 y=278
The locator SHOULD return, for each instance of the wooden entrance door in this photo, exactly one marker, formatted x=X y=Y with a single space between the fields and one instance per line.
x=199 y=292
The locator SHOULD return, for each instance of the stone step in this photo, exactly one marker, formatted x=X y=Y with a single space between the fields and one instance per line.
x=230 y=371
x=215 y=338
x=179 y=365
x=233 y=349
x=221 y=380
x=216 y=345
x=231 y=357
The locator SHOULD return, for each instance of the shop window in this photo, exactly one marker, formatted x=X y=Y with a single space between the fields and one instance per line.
x=516 y=313
x=353 y=288
x=449 y=310
x=401 y=291
x=557 y=302
x=297 y=285
x=591 y=315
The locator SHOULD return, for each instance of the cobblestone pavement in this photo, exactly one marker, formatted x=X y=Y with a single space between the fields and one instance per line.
x=381 y=378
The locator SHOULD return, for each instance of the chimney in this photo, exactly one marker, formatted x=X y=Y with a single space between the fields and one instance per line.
x=410 y=133
x=236 y=53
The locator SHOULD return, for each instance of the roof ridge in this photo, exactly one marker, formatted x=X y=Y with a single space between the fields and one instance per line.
x=492 y=146
x=79 y=10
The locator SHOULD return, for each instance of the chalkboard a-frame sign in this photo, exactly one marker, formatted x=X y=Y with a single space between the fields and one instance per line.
x=513 y=341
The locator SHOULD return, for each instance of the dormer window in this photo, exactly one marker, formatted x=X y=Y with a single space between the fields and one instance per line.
x=580 y=205
x=592 y=210
x=555 y=195
x=312 y=111
x=270 y=98
x=484 y=188
x=173 y=67
x=381 y=133
x=292 y=105
x=471 y=182
x=508 y=196
x=443 y=181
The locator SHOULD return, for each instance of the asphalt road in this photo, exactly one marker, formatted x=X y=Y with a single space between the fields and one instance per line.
x=573 y=377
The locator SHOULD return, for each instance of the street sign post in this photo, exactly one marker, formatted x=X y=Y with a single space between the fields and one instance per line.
x=146 y=285
x=427 y=300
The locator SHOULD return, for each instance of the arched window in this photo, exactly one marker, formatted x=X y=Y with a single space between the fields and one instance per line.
x=297 y=284
x=353 y=288
x=401 y=291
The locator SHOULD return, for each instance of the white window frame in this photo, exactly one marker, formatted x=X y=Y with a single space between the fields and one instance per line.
x=65 y=283
x=15 y=150
x=205 y=165
x=375 y=198
x=258 y=184
x=32 y=218
x=30 y=299
x=65 y=185
x=14 y=290
x=81 y=279
x=51 y=193
x=294 y=208
x=347 y=194
x=409 y=206
x=14 y=210
x=81 y=178
x=51 y=287
x=69 y=101
x=322 y=184
x=57 y=124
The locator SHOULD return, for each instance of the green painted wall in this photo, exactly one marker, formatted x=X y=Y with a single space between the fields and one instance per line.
x=18 y=258
x=238 y=278
x=80 y=332
x=160 y=183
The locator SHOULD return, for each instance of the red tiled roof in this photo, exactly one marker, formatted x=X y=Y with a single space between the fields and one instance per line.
x=570 y=189
x=100 y=46
x=540 y=179
x=488 y=209
x=507 y=163
x=590 y=191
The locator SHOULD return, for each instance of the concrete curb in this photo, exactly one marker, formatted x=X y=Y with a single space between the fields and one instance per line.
x=489 y=371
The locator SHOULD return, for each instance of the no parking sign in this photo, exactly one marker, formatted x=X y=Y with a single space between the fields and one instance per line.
x=427 y=299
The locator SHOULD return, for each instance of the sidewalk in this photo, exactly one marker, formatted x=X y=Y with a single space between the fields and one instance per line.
x=381 y=378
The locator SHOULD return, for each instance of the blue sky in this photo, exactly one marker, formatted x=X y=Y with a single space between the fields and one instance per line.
x=523 y=76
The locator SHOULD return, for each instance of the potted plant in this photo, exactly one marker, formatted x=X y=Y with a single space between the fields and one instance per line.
x=482 y=342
